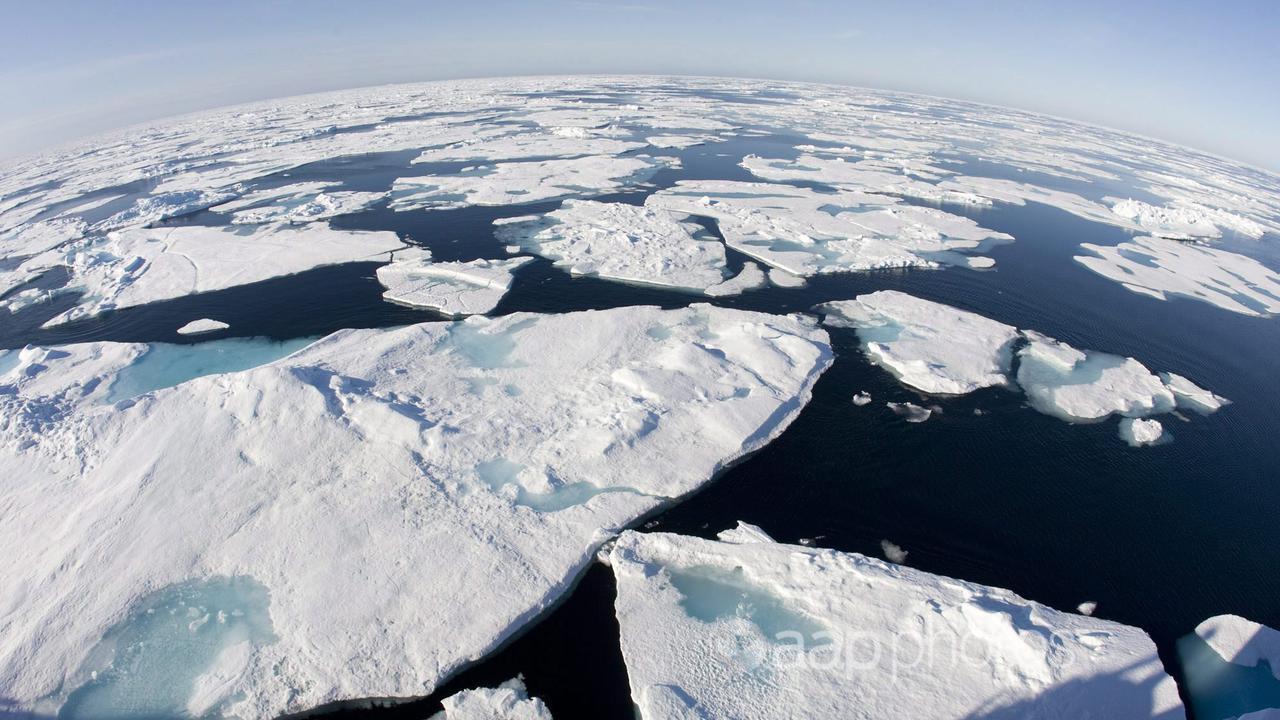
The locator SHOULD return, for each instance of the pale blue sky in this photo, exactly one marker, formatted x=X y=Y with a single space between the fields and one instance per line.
x=1205 y=74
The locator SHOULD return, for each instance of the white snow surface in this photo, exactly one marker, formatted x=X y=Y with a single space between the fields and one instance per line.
x=497 y=453
x=929 y=346
x=1140 y=433
x=203 y=325
x=516 y=183
x=508 y=701
x=1242 y=641
x=765 y=630
x=297 y=203
x=473 y=287
x=805 y=232
x=1161 y=267
x=622 y=242
x=144 y=265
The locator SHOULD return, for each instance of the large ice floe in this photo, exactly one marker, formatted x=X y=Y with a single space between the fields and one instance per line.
x=749 y=628
x=474 y=287
x=297 y=203
x=1232 y=668
x=938 y=349
x=622 y=242
x=518 y=183
x=806 y=232
x=144 y=265
x=1161 y=267
x=360 y=518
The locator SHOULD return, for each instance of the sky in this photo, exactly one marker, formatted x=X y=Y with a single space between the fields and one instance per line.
x=1202 y=74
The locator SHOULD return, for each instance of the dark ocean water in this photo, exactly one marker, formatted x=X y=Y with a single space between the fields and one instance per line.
x=1160 y=537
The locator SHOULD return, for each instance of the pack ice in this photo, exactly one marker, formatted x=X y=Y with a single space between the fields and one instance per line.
x=939 y=349
x=749 y=628
x=143 y=265
x=363 y=517
x=1231 y=667
x=1161 y=267
x=454 y=288
x=508 y=701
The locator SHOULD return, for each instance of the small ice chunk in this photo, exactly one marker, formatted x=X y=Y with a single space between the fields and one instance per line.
x=1087 y=608
x=508 y=701
x=932 y=347
x=744 y=533
x=453 y=288
x=893 y=552
x=784 y=279
x=910 y=412
x=1140 y=433
x=203 y=325
x=862 y=398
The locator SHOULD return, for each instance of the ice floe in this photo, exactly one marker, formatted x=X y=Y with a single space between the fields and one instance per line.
x=474 y=287
x=1139 y=432
x=1241 y=641
x=508 y=701
x=941 y=350
x=1231 y=667
x=910 y=411
x=297 y=203
x=518 y=183
x=1084 y=386
x=805 y=232
x=203 y=325
x=144 y=265
x=750 y=277
x=762 y=630
x=499 y=453
x=862 y=398
x=530 y=145
x=928 y=346
x=1160 y=267
x=622 y=242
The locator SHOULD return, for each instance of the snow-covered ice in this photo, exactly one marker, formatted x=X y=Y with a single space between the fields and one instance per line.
x=1160 y=267
x=893 y=552
x=201 y=326
x=508 y=701
x=474 y=287
x=805 y=232
x=622 y=242
x=1140 y=432
x=517 y=183
x=529 y=145
x=1183 y=222
x=144 y=265
x=760 y=630
x=1191 y=396
x=1242 y=641
x=862 y=398
x=929 y=346
x=1231 y=668
x=750 y=277
x=297 y=203
x=498 y=453
x=1080 y=386
x=910 y=411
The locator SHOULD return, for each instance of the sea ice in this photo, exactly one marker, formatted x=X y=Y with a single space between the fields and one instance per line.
x=1080 y=386
x=339 y=477
x=1231 y=668
x=529 y=145
x=893 y=552
x=163 y=365
x=762 y=630
x=750 y=277
x=474 y=287
x=1242 y=641
x=508 y=701
x=516 y=183
x=203 y=325
x=622 y=242
x=805 y=232
x=1182 y=222
x=862 y=398
x=1159 y=267
x=298 y=203
x=139 y=266
x=929 y=346
x=1192 y=396
x=1139 y=432
x=910 y=411
x=154 y=208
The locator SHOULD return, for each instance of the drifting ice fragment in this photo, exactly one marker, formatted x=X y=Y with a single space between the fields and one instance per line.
x=203 y=325
x=453 y=288
x=1232 y=668
x=862 y=398
x=910 y=412
x=508 y=701
x=1079 y=386
x=1140 y=433
x=893 y=552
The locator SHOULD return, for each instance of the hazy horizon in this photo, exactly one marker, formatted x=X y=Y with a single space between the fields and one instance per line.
x=1172 y=71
